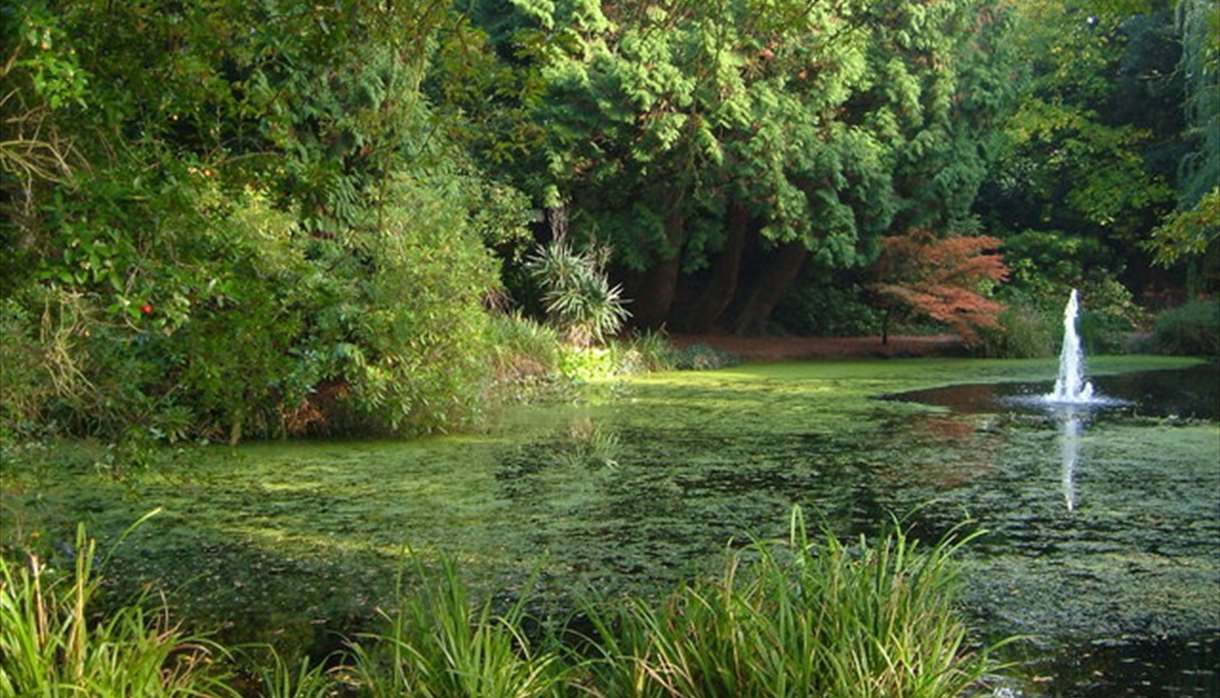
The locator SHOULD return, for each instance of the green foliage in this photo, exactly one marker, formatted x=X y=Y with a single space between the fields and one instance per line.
x=579 y=299
x=305 y=679
x=651 y=351
x=816 y=309
x=1193 y=328
x=823 y=123
x=51 y=644
x=1089 y=155
x=1109 y=314
x=1049 y=263
x=523 y=347
x=809 y=618
x=701 y=357
x=23 y=382
x=1026 y=330
x=265 y=234
x=418 y=325
x=1189 y=232
x=1198 y=25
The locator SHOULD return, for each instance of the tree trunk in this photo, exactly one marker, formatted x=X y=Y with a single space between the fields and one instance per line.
x=722 y=285
x=783 y=266
x=885 y=327
x=652 y=290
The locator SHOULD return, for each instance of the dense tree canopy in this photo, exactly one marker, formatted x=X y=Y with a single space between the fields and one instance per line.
x=689 y=136
x=226 y=217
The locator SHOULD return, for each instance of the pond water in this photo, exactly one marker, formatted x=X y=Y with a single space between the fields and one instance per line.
x=1103 y=543
x=1133 y=544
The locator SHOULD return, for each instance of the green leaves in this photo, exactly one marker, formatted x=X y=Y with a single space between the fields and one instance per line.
x=579 y=298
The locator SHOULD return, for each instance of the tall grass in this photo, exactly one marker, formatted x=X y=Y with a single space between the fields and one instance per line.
x=279 y=678
x=439 y=644
x=51 y=645
x=809 y=618
x=798 y=618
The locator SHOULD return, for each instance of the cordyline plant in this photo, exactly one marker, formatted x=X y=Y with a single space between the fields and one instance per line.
x=579 y=299
x=941 y=279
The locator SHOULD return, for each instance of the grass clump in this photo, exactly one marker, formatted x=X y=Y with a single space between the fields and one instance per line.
x=52 y=645
x=701 y=357
x=808 y=618
x=438 y=644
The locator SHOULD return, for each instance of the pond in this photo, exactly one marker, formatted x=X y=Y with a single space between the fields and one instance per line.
x=1103 y=543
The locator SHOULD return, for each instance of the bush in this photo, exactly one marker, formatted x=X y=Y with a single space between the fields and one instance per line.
x=823 y=310
x=25 y=388
x=1025 y=331
x=701 y=357
x=522 y=347
x=1193 y=328
x=576 y=291
x=1109 y=315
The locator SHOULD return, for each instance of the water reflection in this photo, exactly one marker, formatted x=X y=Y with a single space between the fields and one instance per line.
x=1071 y=425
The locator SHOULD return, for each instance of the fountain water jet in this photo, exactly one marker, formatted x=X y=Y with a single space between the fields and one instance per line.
x=1070 y=385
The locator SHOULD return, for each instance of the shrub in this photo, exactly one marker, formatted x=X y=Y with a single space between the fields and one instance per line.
x=1193 y=328
x=1025 y=330
x=414 y=338
x=820 y=310
x=1109 y=315
x=51 y=645
x=522 y=346
x=701 y=357
x=649 y=351
x=25 y=389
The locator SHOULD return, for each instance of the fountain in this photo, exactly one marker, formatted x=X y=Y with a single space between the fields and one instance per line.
x=1070 y=386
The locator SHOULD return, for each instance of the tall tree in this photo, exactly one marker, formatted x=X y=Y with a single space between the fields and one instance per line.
x=1093 y=146
x=720 y=147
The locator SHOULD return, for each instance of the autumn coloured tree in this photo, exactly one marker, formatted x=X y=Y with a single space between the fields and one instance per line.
x=942 y=279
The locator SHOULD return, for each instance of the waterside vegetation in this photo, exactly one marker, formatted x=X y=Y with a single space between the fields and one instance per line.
x=802 y=617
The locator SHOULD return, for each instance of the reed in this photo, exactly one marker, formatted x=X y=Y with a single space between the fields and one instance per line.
x=439 y=644
x=52 y=645
x=808 y=617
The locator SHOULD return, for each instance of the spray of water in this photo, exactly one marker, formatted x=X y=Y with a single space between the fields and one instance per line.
x=1070 y=386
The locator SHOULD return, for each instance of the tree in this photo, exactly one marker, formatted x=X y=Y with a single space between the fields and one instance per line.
x=941 y=279
x=719 y=148
x=1091 y=152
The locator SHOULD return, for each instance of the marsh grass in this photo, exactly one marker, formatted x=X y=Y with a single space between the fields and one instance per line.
x=803 y=618
x=52 y=645
x=279 y=678
x=438 y=643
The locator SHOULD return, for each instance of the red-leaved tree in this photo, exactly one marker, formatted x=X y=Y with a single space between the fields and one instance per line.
x=939 y=278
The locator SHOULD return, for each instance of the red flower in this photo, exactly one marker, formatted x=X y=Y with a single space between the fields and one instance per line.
x=146 y=309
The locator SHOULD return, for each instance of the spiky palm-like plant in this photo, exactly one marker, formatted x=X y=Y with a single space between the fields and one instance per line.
x=579 y=298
